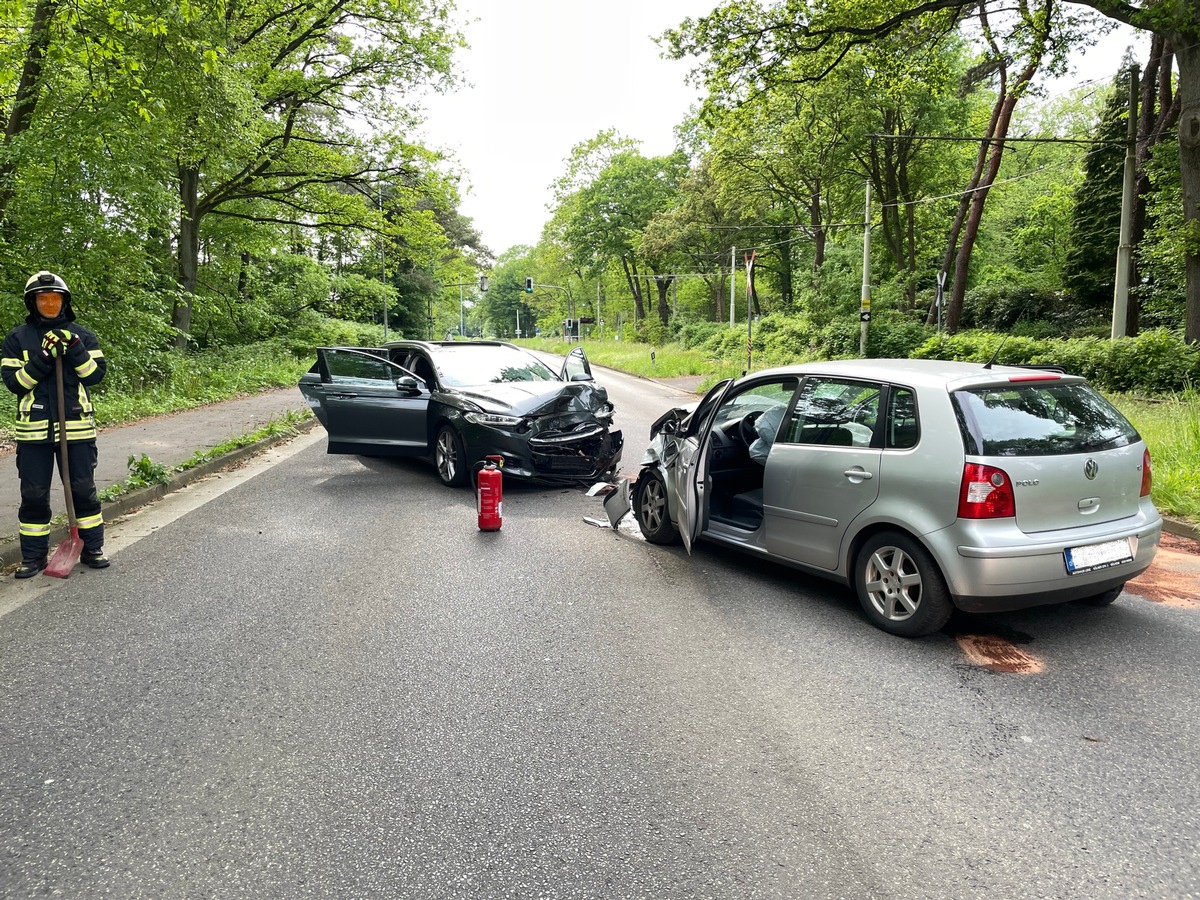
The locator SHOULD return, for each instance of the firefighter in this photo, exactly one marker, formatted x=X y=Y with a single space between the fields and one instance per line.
x=27 y=363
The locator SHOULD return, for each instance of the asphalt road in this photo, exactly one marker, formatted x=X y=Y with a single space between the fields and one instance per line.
x=314 y=677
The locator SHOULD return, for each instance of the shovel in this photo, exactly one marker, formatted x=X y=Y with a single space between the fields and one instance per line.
x=67 y=554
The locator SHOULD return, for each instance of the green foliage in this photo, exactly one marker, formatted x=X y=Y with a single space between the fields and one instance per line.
x=1157 y=361
x=1027 y=310
x=1161 y=254
x=1170 y=426
x=695 y=333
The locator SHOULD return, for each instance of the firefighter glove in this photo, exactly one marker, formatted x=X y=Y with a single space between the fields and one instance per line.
x=52 y=344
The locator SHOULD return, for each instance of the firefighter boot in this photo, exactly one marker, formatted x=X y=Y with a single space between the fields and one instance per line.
x=30 y=567
x=94 y=559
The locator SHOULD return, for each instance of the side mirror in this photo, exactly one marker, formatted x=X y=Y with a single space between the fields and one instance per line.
x=582 y=376
x=407 y=384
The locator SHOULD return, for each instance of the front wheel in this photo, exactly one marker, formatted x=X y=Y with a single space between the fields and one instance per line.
x=450 y=458
x=651 y=510
x=900 y=587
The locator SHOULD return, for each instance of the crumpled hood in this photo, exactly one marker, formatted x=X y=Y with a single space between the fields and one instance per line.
x=524 y=398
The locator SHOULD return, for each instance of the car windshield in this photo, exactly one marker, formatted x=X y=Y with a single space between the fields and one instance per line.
x=472 y=364
x=1039 y=420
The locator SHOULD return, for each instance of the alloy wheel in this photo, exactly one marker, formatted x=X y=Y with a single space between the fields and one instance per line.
x=652 y=509
x=447 y=456
x=893 y=583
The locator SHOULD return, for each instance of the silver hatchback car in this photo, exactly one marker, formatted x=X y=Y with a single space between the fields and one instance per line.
x=923 y=484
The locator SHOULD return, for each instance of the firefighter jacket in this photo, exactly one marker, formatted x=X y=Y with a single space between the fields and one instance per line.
x=29 y=373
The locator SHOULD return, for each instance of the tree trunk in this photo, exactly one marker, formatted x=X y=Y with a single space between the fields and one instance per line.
x=1002 y=117
x=635 y=288
x=25 y=97
x=663 y=283
x=964 y=203
x=1187 y=57
x=189 y=252
x=1158 y=111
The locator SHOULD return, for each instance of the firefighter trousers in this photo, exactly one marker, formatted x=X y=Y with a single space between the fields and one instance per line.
x=35 y=466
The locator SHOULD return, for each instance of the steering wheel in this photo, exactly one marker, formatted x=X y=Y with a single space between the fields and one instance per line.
x=746 y=427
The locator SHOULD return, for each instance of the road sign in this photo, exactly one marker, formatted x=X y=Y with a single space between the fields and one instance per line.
x=864 y=315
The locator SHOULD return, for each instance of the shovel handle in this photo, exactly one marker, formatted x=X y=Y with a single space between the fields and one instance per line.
x=64 y=460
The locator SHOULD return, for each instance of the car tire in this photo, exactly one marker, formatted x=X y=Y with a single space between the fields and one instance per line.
x=450 y=458
x=900 y=587
x=651 y=509
x=1105 y=599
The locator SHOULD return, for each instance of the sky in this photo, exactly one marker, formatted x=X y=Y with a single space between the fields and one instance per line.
x=541 y=76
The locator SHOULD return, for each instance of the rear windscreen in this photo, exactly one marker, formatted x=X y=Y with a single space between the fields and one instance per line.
x=1041 y=419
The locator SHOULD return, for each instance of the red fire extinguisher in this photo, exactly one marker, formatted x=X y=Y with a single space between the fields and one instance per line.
x=490 y=494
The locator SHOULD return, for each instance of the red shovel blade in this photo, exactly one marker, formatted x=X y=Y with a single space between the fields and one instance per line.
x=66 y=556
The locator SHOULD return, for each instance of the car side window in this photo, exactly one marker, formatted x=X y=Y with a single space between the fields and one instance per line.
x=358 y=368
x=760 y=399
x=903 y=428
x=422 y=368
x=834 y=412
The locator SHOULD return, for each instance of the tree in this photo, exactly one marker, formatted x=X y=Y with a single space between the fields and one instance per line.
x=295 y=80
x=742 y=43
x=612 y=211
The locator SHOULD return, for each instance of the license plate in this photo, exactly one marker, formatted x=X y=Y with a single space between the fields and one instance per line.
x=1097 y=556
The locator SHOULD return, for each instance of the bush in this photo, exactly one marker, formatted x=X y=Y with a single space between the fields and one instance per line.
x=695 y=334
x=1155 y=362
x=312 y=330
x=1024 y=310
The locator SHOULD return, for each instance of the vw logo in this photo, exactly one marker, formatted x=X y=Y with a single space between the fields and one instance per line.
x=1090 y=469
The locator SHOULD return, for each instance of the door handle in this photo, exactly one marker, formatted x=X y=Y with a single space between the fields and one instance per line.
x=858 y=473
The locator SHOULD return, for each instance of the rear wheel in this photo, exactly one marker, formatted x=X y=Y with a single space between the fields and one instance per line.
x=900 y=587
x=1105 y=599
x=450 y=458
x=651 y=510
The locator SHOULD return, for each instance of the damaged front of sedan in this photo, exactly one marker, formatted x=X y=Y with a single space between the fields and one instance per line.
x=547 y=431
x=455 y=403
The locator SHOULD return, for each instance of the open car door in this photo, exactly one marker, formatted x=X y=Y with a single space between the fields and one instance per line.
x=576 y=367
x=690 y=472
x=368 y=405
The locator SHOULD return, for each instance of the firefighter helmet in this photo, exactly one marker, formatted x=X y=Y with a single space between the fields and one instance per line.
x=47 y=281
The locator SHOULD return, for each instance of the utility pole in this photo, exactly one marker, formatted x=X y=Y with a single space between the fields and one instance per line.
x=383 y=266
x=1125 y=247
x=864 y=309
x=732 y=282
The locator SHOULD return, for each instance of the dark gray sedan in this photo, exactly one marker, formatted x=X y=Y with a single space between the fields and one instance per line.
x=456 y=402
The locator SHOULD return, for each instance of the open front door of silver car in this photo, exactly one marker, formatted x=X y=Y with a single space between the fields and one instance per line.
x=690 y=472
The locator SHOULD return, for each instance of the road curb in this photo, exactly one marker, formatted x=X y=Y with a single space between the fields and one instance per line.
x=10 y=550
x=1181 y=529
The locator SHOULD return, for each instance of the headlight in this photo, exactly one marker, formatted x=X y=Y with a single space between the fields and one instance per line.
x=493 y=420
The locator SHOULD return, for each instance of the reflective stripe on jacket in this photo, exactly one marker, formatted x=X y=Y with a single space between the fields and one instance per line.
x=29 y=375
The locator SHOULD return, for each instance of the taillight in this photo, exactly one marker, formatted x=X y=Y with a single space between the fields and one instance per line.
x=986 y=493
x=1147 y=477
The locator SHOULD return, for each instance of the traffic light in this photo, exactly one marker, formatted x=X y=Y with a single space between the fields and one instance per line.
x=529 y=285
